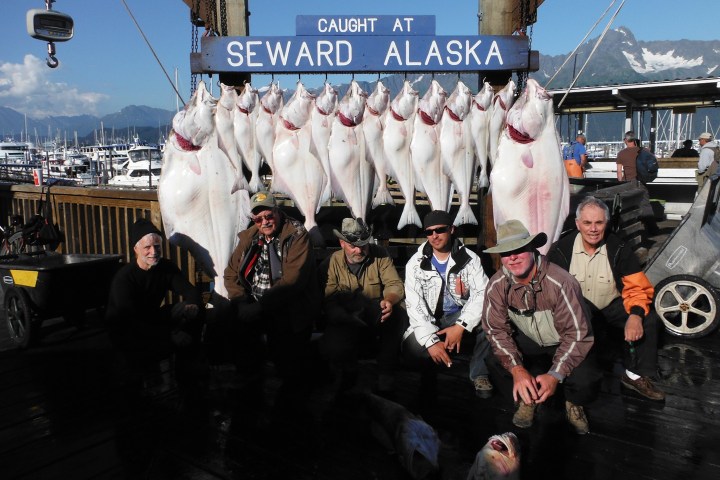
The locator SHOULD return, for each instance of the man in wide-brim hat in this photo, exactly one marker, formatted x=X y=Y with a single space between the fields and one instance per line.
x=535 y=318
x=363 y=306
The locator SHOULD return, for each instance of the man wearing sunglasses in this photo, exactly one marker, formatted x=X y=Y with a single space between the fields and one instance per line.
x=444 y=289
x=363 y=306
x=535 y=320
x=272 y=286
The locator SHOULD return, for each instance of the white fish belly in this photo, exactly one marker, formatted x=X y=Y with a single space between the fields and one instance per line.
x=529 y=184
x=425 y=156
x=200 y=211
x=351 y=176
x=299 y=171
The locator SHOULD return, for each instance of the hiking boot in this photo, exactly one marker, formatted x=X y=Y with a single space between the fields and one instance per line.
x=576 y=417
x=483 y=387
x=644 y=387
x=524 y=415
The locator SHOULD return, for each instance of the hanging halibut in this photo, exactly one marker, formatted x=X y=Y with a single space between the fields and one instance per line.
x=399 y=120
x=224 y=116
x=322 y=120
x=200 y=206
x=529 y=181
x=501 y=103
x=480 y=130
x=425 y=149
x=297 y=172
x=373 y=126
x=351 y=174
x=245 y=116
x=270 y=105
x=456 y=146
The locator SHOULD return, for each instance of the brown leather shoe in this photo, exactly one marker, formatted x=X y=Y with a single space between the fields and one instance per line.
x=644 y=387
x=576 y=417
x=524 y=415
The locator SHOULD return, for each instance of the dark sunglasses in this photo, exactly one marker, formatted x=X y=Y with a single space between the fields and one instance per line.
x=352 y=238
x=259 y=218
x=439 y=230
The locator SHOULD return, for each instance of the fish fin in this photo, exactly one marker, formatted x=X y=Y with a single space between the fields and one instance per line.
x=255 y=184
x=194 y=164
x=482 y=180
x=465 y=216
x=240 y=184
x=409 y=216
x=382 y=197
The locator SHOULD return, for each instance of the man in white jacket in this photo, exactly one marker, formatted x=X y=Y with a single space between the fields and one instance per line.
x=444 y=292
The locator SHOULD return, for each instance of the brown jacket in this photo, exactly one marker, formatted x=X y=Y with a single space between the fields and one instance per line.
x=559 y=318
x=295 y=294
x=378 y=278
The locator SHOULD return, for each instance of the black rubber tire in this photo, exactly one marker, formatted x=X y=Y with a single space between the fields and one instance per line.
x=688 y=306
x=18 y=314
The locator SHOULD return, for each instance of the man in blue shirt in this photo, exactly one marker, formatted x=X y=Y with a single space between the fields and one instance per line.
x=576 y=157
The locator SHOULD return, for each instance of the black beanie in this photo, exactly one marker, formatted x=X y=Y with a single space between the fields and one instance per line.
x=437 y=217
x=141 y=228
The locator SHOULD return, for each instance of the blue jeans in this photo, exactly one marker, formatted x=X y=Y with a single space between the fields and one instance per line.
x=417 y=354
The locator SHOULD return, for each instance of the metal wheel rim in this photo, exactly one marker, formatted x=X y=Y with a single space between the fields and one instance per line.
x=15 y=322
x=683 y=307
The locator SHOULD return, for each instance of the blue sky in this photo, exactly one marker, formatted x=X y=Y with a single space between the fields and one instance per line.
x=107 y=65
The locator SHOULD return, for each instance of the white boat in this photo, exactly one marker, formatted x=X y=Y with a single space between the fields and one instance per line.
x=141 y=174
x=17 y=152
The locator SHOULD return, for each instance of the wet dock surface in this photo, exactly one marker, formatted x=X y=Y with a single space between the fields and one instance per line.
x=63 y=416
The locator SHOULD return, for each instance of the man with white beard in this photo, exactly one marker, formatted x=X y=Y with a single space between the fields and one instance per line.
x=144 y=331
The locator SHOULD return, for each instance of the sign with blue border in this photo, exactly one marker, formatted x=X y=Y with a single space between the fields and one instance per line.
x=366 y=53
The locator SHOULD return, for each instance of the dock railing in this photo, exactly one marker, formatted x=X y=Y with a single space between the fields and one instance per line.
x=93 y=220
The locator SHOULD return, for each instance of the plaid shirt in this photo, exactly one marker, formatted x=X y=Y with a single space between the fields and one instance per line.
x=262 y=277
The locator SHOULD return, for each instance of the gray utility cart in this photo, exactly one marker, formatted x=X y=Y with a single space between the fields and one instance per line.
x=42 y=285
x=686 y=269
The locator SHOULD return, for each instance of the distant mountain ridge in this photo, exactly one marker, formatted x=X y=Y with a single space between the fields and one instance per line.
x=620 y=59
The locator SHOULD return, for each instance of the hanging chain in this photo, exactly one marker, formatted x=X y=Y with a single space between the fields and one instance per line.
x=223 y=19
x=195 y=22
x=212 y=17
x=528 y=17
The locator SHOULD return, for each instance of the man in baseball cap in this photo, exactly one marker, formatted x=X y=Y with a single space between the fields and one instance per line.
x=709 y=158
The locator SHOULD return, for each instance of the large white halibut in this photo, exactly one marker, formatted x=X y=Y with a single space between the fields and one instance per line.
x=399 y=120
x=425 y=149
x=529 y=181
x=456 y=147
x=373 y=126
x=201 y=208
x=244 y=123
x=322 y=120
x=480 y=130
x=297 y=172
x=351 y=174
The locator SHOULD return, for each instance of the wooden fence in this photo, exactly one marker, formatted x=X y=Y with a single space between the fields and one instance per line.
x=93 y=220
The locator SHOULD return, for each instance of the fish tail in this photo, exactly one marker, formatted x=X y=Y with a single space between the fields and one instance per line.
x=382 y=197
x=409 y=216
x=255 y=183
x=465 y=216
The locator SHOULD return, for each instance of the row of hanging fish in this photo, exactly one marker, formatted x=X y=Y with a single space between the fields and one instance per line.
x=319 y=146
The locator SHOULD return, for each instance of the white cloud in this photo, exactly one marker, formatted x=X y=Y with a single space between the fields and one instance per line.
x=28 y=88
